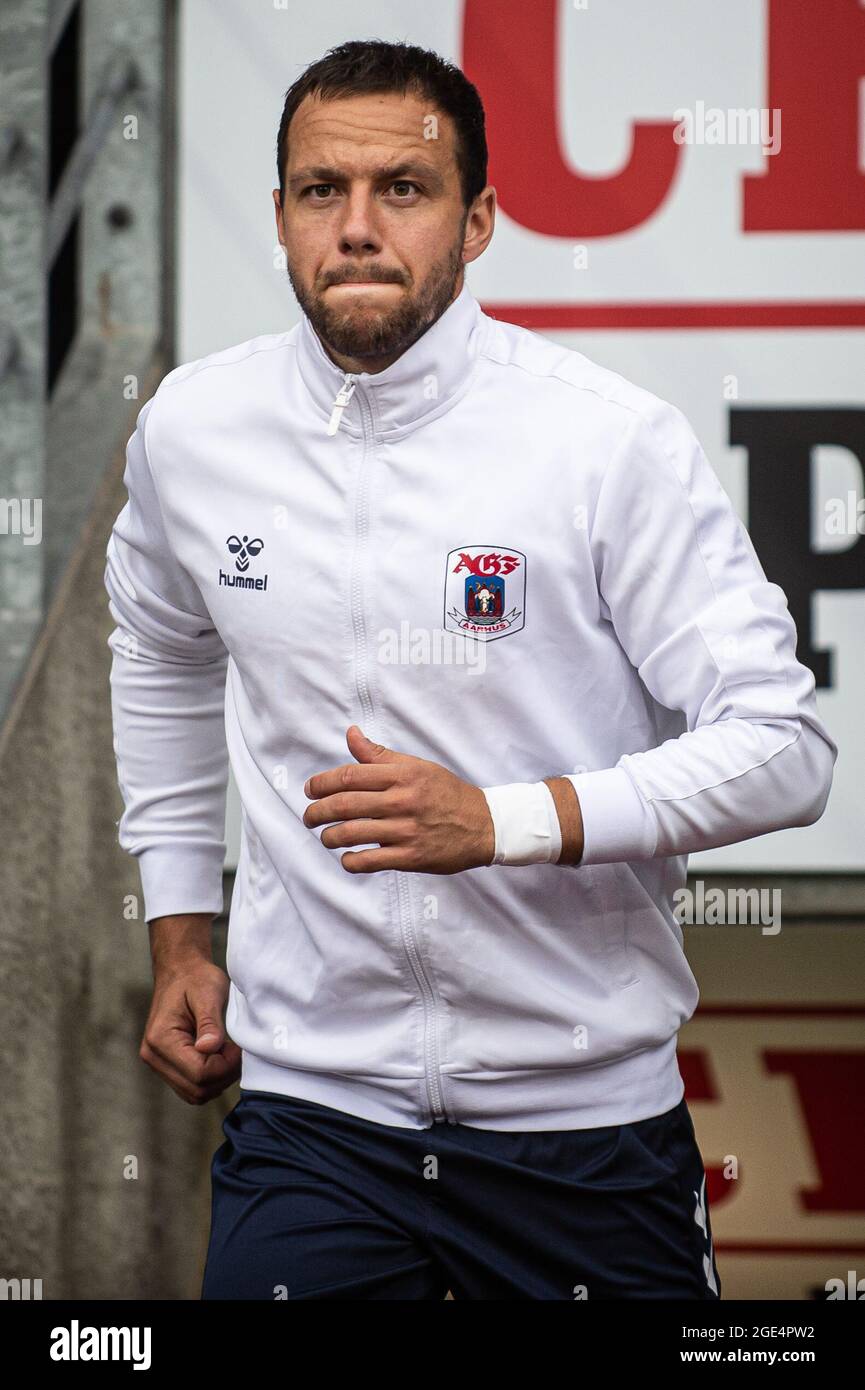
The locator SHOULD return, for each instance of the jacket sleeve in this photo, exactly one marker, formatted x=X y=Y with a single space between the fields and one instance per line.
x=681 y=583
x=167 y=679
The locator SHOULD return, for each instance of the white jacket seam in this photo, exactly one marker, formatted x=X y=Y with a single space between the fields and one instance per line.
x=557 y=376
x=726 y=781
x=202 y=365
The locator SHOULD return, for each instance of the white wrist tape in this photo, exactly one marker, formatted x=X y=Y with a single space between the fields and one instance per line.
x=526 y=823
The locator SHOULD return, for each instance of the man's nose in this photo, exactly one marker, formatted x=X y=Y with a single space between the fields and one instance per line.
x=359 y=223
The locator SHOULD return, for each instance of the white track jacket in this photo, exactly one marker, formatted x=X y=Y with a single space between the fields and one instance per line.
x=498 y=555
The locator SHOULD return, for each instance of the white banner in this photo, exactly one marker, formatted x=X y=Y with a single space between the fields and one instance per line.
x=680 y=196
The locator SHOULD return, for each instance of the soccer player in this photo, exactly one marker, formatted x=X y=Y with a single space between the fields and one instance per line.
x=489 y=653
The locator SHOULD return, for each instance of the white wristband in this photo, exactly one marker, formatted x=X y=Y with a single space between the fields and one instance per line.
x=526 y=823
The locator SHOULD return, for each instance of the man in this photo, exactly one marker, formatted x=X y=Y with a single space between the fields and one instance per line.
x=495 y=655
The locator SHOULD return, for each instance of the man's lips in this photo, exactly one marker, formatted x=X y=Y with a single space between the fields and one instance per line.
x=360 y=284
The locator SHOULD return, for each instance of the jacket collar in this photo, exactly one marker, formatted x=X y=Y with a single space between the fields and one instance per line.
x=427 y=379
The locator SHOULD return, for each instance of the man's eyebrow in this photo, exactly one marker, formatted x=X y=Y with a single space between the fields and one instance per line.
x=320 y=173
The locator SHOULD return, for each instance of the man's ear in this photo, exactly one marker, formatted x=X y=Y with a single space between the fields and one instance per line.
x=277 y=208
x=480 y=225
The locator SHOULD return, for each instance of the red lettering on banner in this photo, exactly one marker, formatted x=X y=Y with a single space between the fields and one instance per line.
x=831 y=1089
x=509 y=52
x=816 y=61
x=696 y=1074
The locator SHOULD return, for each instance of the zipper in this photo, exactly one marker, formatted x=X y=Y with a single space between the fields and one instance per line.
x=412 y=950
x=409 y=938
x=343 y=396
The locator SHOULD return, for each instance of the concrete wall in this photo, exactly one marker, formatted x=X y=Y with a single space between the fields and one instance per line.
x=75 y=986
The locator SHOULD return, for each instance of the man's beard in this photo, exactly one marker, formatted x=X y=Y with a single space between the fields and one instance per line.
x=361 y=332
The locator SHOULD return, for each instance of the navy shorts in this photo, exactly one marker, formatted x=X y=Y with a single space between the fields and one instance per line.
x=311 y=1202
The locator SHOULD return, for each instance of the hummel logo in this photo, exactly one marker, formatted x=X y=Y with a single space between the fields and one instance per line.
x=245 y=550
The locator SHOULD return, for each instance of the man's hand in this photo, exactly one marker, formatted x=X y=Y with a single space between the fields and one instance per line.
x=425 y=818
x=185 y=1041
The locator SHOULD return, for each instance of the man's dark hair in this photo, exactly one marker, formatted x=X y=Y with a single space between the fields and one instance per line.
x=372 y=65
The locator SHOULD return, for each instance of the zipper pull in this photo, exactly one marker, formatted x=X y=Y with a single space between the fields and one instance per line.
x=342 y=399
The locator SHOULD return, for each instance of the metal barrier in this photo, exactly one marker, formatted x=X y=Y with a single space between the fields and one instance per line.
x=86 y=155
